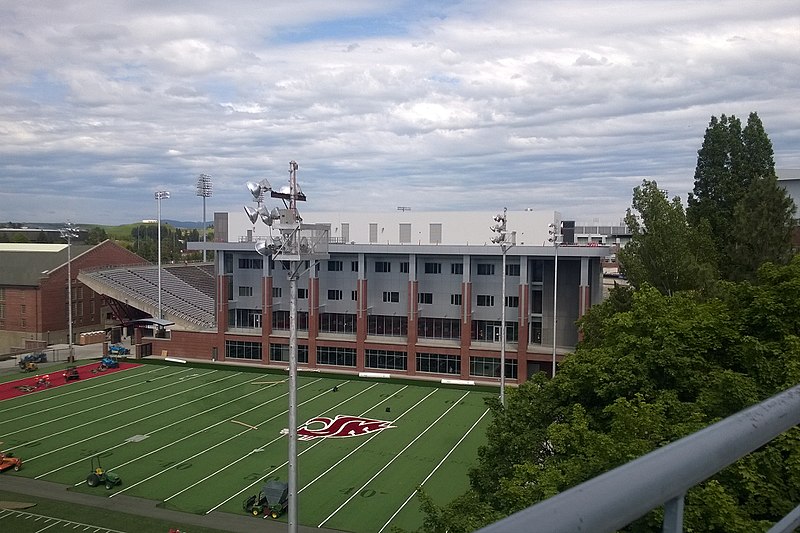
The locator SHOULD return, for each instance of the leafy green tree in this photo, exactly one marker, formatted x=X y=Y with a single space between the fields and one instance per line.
x=664 y=250
x=96 y=235
x=652 y=368
x=730 y=194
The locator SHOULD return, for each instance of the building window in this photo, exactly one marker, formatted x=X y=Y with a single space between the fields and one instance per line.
x=354 y=266
x=512 y=270
x=22 y=309
x=425 y=297
x=330 y=355
x=383 y=266
x=387 y=325
x=457 y=268
x=536 y=331
x=280 y=353
x=536 y=301
x=485 y=300
x=433 y=268
x=334 y=294
x=354 y=295
x=512 y=301
x=391 y=296
x=438 y=363
x=335 y=266
x=245 y=291
x=280 y=320
x=455 y=299
x=405 y=233
x=243 y=350
x=489 y=367
x=439 y=328
x=404 y=267
x=302 y=294
x=337 y=322
x=244 y=318
x=435 y=231
x=537 y=276
x=486 y=269
x=489 y=330
x=277 y=292
x=248 y=263
x=385 y=359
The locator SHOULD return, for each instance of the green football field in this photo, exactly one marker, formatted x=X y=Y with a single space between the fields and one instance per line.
x=203 y=439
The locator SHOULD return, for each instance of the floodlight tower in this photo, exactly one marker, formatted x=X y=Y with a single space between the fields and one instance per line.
x=501 y=237
x=69 y=232
x=204 y=190
x=160 y=195
x=554 y=230
x=297 y=242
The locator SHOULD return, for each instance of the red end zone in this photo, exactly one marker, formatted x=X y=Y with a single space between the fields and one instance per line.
x=35 y=383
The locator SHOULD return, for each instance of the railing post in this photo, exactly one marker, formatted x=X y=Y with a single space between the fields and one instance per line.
x=673 y=515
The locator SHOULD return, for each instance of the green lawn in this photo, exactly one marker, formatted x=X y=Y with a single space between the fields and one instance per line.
x=169 y=432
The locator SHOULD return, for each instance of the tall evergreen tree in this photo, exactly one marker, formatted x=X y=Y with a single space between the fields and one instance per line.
x=733 y=165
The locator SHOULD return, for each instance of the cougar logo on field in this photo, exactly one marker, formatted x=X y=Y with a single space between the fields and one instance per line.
x=340 y=426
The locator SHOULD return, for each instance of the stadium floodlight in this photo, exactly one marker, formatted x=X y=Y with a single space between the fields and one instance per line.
x=204 y=190
x=69 y=232
x=554 y=230
x=160 y=195
x=501 y=237
x=294 y=246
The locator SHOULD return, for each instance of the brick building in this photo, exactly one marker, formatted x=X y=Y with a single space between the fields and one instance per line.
x=33 y=292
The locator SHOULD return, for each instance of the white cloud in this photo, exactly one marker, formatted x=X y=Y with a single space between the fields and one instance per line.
x=553 y=105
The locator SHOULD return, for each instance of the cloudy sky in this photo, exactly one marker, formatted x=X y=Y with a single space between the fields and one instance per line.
x=440 y=105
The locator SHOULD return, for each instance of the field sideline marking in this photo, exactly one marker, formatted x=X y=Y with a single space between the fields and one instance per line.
x=243 y=424
x=38 y=517
x=301 y=453
x=248 y=454
x=209 y=448
x=73 y=391
x=99 y=406
x=162 y=428
x=435 y=469
x=112 y=415
x=355 y=493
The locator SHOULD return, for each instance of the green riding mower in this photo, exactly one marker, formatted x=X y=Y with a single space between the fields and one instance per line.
x=272 y=500
x=98 y=476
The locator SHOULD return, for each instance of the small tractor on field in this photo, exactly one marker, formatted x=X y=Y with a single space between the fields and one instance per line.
x=272 y=500
x=118 y=349
x=107 y=362
x=70 y=373
x=8 y=461
x=98 y=476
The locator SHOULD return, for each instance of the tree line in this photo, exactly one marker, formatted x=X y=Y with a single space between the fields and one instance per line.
x=708 y=325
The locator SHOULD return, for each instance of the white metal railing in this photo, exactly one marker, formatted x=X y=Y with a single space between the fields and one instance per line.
x=617 y=498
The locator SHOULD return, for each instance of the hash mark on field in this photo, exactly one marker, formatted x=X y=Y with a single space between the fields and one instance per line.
x=51 y=521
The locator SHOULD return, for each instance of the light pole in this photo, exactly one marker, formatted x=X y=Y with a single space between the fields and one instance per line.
x=69 y=232
x=160 y=195
x=501 y=237
x=297 y=242
x=555 y=237
x=204 y=190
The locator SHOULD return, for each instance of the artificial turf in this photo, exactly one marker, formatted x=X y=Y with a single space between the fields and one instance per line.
x=184 y=436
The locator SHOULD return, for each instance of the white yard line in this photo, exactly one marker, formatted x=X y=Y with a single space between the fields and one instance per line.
x=434 y=470
x=89 y=409
x=92 y=422
x=162 y=428
x=259 y=449
x=75 y=525
x=355 y=493
x=287 y=462
x=208 y=449
x=56 y=398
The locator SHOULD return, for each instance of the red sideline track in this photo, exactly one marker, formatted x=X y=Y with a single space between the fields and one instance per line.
x=28 y=385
